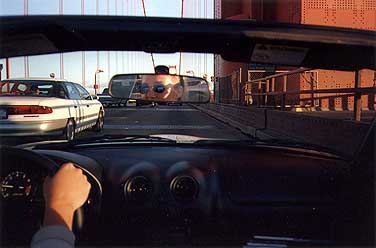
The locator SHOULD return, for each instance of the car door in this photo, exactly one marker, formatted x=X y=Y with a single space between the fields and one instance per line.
x=75 y=107
x=90 y=106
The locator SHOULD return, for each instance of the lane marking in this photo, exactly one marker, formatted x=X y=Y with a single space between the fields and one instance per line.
x=117 y=117
x=157 y=127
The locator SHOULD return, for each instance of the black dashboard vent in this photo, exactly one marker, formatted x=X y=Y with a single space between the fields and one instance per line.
x=138 y=188
x=184 y=188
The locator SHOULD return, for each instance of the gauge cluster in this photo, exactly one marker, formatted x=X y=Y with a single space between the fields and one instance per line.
x=16 y=185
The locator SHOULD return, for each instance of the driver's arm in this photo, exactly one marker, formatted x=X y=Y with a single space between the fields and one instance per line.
x=64 y=193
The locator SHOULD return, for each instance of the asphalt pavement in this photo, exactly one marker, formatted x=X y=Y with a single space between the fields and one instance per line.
x=163 y=119
x=148 y=120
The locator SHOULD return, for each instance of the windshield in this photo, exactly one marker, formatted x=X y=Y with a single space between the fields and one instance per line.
x=270 y=97
x=28 y=88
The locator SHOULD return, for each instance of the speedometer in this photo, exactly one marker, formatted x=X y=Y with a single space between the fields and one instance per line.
x=16 y=185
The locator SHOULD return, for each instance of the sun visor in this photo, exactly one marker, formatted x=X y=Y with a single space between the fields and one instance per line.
x=237 y=41
x=33 y=43
x=278 y=55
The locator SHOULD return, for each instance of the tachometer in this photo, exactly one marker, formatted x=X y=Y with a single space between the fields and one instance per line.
x=16 y=185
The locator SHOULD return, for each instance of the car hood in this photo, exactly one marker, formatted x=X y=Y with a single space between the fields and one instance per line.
x=181 y=138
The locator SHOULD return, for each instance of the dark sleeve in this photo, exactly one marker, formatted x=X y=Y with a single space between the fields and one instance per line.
x=53 y=236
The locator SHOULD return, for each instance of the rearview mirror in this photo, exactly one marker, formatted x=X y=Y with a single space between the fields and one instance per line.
x=160 y=88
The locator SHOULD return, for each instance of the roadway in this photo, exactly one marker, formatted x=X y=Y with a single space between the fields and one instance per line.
x=162 y=119
x=147 y=120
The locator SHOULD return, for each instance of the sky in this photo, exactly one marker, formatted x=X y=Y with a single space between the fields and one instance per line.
x=113 y=62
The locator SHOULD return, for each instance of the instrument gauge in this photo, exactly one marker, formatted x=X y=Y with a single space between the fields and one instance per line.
x=16 y=185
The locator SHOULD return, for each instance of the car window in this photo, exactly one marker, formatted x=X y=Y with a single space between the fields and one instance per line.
x=72 y=91
x=6 y=87
x=61 y=92
x=45 y=90
x=38 y=88
x=84 y=94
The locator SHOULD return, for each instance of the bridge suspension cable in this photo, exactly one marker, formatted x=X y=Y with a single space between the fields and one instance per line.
x=61 y=10
x=144 y=9
x=206 y=55
x=83 y=52
x=26 y=58
x=108 y=52
x=199 y=71
x=122 y=52
x=182 y=14
x=98 y=76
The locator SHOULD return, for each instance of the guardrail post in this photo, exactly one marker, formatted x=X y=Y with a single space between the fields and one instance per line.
x=272 y=89
x=371 y=101
x=239 y=84
x=259 y=96
x=357 y=98
x=283 y=104
x=282 y=94
x=267 y=91
x=312 y=81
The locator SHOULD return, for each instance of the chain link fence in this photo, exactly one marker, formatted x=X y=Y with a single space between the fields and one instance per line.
x=230 y=90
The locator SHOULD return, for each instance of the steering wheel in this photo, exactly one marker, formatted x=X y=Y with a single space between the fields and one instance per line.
x=10 y=156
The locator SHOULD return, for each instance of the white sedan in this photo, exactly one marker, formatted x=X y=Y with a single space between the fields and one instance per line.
x=34 y=107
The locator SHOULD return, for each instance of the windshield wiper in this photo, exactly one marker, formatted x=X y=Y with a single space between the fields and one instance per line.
x=122 y=138
x=222 y=142
x=298 y=144
x=273 y=142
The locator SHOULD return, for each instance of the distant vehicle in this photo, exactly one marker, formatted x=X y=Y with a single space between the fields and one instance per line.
x=33 y=107
x=132 y=102
x=174 y=103
x=107 y=100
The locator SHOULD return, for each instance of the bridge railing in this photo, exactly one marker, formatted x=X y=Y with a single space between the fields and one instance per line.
x=265 y=94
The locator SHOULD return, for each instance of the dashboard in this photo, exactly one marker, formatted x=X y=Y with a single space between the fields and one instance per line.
x=169 y=194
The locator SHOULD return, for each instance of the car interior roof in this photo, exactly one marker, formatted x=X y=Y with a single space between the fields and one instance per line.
x=324 y=47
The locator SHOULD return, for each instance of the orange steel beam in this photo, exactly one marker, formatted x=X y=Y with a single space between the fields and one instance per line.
x=280 y=75
x=182 y=14
x=365 y=90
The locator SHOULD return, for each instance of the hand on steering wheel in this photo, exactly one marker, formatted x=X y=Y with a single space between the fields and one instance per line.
x=64 y=193
x=65 y=184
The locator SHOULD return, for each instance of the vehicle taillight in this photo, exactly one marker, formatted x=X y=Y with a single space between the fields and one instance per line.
x=28 y=109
